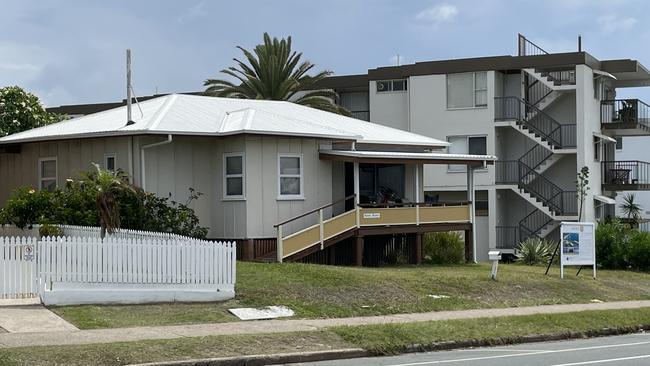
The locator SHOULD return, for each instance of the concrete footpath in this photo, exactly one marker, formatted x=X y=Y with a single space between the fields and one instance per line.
x=29 y=316
x=71 y=337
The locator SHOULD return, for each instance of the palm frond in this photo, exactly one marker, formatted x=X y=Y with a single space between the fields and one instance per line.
x=272 y=70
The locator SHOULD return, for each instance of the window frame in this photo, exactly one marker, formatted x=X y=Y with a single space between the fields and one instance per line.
x=108 y=156
x=467 y=137
x=391 y=88
x=41 y=179
x=226 y=176
x=301 y=176
x=474 y=90
x=598 y=150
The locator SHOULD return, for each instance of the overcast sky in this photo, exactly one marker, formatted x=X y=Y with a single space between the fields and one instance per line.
x=70 y=52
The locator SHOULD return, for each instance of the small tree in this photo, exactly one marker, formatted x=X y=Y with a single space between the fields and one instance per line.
x=630 y=208
x=583 y=188
x=107 y=186
x=21 y=111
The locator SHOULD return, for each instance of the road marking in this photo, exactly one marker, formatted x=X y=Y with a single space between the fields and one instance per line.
x=519 y=354
x=603 y=361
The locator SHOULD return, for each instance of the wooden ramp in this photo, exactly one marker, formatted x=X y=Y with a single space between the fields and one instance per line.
x=361 y=221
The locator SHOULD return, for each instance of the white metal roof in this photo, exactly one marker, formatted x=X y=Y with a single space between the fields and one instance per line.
x=605 y=199
x=199 y=115
x=430 y=156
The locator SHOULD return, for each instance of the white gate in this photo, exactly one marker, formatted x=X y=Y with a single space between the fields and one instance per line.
x=18 y=278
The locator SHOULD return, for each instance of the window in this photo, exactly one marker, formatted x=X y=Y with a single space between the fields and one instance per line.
x=290 y=176
x=381 y=183
x=391 y=85
x=467 y=90
x=475 y=145
x=109 y=162
x=233 y=178
x=47 y=174
x=596 y=148
x=619 y=143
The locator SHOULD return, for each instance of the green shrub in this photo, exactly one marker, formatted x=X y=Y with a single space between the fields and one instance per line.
x=639 y=251
x=444 y=248
x=612 y=241
x=75 y=204
x=50 y=230
x=27 y=207
x=535 y=251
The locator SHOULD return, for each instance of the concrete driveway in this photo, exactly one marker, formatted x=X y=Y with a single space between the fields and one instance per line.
x=28 y=315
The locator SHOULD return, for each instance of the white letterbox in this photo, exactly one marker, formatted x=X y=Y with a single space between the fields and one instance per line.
x=494 y=255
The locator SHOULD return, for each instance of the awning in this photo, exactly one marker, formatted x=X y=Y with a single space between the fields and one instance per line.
x=605 y=199
x=407 y=157
x=605 y=137
x=604 y=73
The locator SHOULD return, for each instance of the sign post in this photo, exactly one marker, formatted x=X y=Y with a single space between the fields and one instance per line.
x=578 y=245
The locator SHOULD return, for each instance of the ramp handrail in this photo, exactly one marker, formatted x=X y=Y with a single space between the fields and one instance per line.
x=315 y=210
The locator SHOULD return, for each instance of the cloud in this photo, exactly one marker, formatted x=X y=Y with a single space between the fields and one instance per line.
x=438 y=14
x=614 y=23
x=194 y=12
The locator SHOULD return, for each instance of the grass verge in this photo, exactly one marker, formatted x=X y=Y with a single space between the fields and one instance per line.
x=395 y=338
x=125 y=353
x=314 y=291
x=377 y=339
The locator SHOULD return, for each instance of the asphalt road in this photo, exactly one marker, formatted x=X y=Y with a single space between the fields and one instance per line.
x=626 y=350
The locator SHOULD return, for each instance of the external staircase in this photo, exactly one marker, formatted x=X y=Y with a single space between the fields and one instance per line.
x=525 y=176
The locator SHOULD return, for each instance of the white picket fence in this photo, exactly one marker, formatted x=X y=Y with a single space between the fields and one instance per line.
x=88 y=231
x=76 y=270
x=18 y=276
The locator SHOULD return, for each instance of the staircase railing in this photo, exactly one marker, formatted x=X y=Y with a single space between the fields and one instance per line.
x=549 y=194
x=536 y=156
x=528 y=48
x=534 y=119
x=533 y=224
x=534 y=90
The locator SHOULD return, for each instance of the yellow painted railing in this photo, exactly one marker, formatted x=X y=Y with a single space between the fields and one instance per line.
x=416 y=214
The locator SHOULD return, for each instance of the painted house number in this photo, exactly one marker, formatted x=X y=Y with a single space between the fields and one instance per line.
x=372 y=215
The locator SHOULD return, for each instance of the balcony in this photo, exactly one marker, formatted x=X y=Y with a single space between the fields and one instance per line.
x=625 y=117
x=626 y=175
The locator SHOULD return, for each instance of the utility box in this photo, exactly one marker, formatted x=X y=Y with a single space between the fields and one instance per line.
x=495 y=257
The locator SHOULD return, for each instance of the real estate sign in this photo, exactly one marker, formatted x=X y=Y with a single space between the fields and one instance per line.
x=578 y=245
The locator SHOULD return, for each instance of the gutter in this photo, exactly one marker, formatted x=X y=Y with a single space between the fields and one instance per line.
x=142 y=160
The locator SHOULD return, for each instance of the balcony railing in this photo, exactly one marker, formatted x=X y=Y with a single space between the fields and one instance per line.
x=560 y=77
x=627 y=111
x=507 y=237
x=625 y=172
x=506 y=171
x=362 y=115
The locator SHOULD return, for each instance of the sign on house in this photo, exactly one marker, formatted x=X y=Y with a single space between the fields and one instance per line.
x=371 y=215
x=578 y=245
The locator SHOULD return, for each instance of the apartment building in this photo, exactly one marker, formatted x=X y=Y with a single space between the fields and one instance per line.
x=545 y=116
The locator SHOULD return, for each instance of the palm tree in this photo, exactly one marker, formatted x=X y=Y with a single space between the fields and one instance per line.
x=630 y=208
x=107 y=185
x=274 y=72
